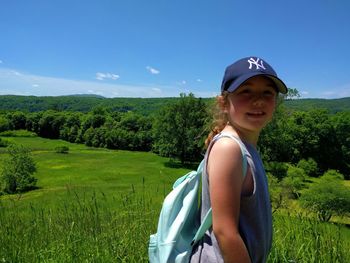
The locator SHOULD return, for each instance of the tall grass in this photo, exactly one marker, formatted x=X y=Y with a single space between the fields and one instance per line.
x=302 y=239
x=83 y=228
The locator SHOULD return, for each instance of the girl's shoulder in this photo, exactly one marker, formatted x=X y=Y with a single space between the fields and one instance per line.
x=227 y=142
x=226 y=150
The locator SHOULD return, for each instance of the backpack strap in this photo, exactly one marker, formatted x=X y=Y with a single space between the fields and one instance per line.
x=208 y=219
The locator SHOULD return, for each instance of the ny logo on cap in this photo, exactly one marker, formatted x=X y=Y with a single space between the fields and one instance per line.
x=256 y=63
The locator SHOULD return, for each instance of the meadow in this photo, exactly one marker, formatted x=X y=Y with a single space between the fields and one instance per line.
x=99 y=205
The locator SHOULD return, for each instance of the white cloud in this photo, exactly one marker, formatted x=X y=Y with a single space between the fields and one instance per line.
x=181 y=83
x=199 y=80
x=103 y=76
x=14 y=72
x=1 y=61
x=152 y=70
x=338 y=92
x=19 y=83
x=157 y=90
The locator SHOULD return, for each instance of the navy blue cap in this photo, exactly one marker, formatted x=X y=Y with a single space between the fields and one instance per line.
x=246 y=68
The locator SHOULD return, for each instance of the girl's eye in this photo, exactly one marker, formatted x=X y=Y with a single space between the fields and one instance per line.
x=269 y=93
x=245 y=91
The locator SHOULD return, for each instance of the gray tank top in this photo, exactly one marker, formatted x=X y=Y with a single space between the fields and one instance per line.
x=255 y=221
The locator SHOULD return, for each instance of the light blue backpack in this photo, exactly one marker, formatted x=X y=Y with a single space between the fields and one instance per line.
x=178 y=226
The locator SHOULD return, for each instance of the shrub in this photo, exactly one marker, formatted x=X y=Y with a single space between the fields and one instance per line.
x=18 y=169
x=62 y=149
x=3 y=143
x=327 y=197
x=277 y=169
x=309 y=166
x=294 y=181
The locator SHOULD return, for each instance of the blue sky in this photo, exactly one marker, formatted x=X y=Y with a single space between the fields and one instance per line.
x=161 y=48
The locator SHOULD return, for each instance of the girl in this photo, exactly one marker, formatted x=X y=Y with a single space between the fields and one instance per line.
x=242 y=221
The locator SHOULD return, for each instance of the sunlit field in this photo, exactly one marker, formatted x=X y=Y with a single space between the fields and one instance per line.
x=98 y=205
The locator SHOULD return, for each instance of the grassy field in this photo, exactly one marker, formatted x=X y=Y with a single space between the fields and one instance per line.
x=98 y=205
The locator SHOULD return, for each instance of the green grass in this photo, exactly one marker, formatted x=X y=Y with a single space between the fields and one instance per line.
x=301 y=239
x=98 y=205
x=93 y=169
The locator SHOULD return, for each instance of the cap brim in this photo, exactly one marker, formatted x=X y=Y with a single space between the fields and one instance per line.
x=239 y=81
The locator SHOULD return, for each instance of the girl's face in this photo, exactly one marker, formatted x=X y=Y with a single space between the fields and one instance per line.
x=252 y=105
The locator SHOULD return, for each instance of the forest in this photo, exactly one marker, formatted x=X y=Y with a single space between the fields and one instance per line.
x=143 y=106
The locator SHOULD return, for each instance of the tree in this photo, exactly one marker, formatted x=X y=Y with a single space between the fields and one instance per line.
x=309 y=166
x=294 y=181
x=50 y=124
x=18 y=169
x=17 y=120
x=276 y=142
x=3 y=143
x=328 y=197
x=277 y=169
x=277 y=193
x=178 y=129
x=341 y=124
x=4 y=124
x=292 y=94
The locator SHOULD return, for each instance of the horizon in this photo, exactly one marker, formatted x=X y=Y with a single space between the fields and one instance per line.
x=170 y=97
x=158 y=49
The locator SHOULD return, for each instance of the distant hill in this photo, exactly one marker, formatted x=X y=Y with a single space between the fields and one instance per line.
x=333 y=105
x=86 y=95
x=145 y=106
x=81 y=103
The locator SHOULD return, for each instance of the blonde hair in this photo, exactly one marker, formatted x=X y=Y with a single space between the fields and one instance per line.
x=220 y=117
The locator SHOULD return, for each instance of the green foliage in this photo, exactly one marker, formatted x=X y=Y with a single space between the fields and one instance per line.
x=131 y=124
x=4 y=124
x=327 y=197
x=62 y=149
x=276 y=140
x=178 y=129
x=278 y=170
x=341 y=123
x=50 y=124
x=333 y=105
x=277 y=193
x=309 y=166
x=18 y=133
x=17 y=120
x=294 y=181
x=3 y=143
x=292 y=94
x=316 y=134
x=17 y=170
x=143 y=106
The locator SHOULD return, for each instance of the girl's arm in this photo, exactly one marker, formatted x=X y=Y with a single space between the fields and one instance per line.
x=225 y=186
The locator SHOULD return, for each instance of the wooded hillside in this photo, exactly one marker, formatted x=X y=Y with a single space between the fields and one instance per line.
x=144 y=106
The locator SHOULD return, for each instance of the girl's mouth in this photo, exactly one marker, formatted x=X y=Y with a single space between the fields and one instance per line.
x=256 y=113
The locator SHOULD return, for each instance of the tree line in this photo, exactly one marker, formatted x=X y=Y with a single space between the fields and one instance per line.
x=178 y=130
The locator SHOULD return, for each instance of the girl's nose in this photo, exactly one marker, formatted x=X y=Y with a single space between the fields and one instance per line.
x=258 y=100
